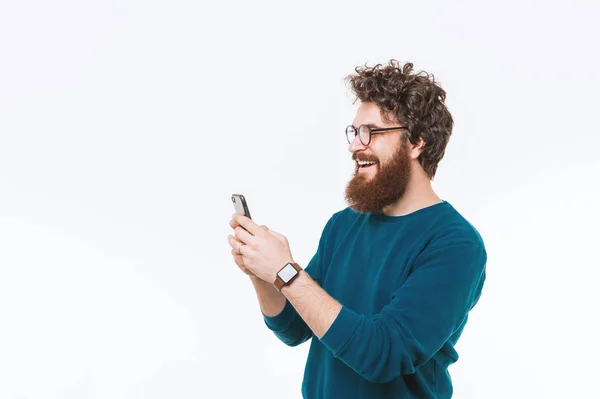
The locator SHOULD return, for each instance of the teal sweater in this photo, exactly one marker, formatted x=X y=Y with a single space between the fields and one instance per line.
x=406 y=285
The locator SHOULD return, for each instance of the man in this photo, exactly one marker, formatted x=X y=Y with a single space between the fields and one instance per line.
x=395 y=274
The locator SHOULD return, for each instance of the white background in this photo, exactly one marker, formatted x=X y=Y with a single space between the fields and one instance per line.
x=125 y=126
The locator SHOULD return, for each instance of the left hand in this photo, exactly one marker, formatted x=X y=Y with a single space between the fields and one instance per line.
x=265 y=251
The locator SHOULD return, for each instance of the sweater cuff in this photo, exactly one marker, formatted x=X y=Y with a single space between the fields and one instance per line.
x=343 y=328
x=281 y=321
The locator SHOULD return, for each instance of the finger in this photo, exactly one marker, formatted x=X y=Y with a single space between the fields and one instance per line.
x=235 y=253
x=234 y=242
x=233 y=224
x=243 y=236
x=248 y=224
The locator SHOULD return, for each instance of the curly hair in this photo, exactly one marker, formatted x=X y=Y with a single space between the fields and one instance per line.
x=414 y=99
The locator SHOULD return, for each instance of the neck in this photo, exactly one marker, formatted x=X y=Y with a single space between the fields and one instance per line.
x=419 y=194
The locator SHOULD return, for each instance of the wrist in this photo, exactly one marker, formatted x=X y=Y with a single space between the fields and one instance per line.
x=289 y=272
x=298 y=288
x=259 y=282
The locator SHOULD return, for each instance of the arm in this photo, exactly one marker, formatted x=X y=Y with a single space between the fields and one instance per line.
x=425 y=311
x=283 y=319
x=278 y=313
x=271 y=301
x=314 y=304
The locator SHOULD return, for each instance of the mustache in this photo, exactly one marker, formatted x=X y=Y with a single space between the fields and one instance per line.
x=364 y=159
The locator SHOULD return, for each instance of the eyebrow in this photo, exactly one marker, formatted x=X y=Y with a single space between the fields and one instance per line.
x=374 y=126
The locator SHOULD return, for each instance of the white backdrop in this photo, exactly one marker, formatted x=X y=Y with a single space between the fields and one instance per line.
x=125 y=126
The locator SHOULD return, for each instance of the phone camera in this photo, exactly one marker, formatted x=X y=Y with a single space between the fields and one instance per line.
x=233 y=199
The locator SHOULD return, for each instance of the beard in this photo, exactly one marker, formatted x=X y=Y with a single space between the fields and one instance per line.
x=372 y=190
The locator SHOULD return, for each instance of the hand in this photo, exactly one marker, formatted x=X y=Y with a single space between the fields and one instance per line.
x=237 y=257
x=264 y=252
x=239 y=260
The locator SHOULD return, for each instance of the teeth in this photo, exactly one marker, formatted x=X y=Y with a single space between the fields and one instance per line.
x=362 y=163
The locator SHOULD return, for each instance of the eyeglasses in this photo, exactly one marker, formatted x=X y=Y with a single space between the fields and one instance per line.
x=365 y=132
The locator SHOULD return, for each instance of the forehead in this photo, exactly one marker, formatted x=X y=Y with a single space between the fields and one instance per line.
x=368 y=113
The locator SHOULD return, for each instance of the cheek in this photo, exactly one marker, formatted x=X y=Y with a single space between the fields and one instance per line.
x=384 y=157
x=384 y=150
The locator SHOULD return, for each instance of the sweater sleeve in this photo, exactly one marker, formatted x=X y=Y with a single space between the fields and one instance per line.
x=288 y=325
x=423 y=314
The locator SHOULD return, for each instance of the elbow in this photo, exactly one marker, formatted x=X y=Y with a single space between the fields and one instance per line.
x=384 y=373
x=295 y=340
x=391 y=359
x=380 y=378
x=375 y=348
x=296 y=343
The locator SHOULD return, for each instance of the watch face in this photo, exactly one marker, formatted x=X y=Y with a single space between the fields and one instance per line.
x=287 y=273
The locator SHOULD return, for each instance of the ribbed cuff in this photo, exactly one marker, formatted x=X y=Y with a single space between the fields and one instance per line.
x=343 y=328
x=281 y=321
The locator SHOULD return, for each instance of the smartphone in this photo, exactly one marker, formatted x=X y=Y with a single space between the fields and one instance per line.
x=240 y=205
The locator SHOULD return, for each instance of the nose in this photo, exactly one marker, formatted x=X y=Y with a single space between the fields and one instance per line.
x=356 y=145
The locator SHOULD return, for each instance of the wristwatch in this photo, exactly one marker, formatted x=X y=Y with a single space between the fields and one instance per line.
x=287 y=273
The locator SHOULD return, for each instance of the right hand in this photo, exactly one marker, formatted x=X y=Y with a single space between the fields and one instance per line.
x=237 y=257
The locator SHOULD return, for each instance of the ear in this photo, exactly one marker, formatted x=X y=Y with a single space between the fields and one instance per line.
x=417 y=149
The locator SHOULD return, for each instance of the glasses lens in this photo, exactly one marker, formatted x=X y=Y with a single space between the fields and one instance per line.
x=350 y=133
x=364 y=133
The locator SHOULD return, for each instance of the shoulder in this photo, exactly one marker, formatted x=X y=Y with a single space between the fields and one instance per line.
x=454 y=243
x=346 y=216
x=450 y=227
x=338 y=221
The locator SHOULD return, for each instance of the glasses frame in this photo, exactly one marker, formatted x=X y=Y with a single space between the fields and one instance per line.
x=371 y=131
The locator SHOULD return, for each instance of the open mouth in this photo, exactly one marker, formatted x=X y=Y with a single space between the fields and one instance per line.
x=366 y=165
